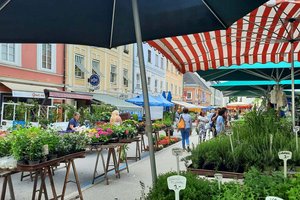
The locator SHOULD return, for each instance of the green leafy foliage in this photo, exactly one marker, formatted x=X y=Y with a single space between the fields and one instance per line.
x=257 y=141
x=255 y=186
x=196 y=188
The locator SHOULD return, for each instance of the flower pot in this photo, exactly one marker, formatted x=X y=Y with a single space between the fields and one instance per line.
x=114 y=140
x=33 y=162
x=52 y=156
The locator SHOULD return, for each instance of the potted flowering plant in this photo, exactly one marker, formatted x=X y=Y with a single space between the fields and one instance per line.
x=100 y=135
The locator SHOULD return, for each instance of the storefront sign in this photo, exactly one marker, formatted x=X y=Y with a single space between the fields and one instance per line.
x=38 y=95
x=67 y=95
x=94 y=80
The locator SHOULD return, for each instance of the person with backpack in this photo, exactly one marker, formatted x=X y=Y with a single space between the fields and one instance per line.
x=185 y=127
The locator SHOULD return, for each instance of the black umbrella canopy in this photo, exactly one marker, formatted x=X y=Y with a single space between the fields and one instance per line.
x=109 y=23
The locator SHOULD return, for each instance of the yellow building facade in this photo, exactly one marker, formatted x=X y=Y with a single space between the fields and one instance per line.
x=114 y=67
x=174 y=81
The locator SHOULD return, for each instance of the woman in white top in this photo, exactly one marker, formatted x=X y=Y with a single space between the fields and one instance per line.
x=203 y=125
x=115 y=118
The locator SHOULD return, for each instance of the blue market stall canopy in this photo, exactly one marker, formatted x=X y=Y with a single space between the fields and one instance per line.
x=139 y=100
x=122 y=105
x=169 y=97
x=252 y=72
x=166 y=103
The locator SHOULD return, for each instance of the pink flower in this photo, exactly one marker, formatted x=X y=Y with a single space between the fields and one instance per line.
x=97 y=135
x=126 y=132
x=109 y=130
x=99 y=129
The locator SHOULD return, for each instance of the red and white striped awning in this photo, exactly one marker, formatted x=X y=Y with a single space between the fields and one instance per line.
x=264 y=35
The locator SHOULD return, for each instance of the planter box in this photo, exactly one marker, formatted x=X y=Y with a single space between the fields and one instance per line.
x=211 y=173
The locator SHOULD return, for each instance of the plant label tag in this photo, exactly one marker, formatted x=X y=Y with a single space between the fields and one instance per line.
x=285 y=155
x=176 y=182
x=228 y=132
x=177 y=151
x=296 y=129
x=218 y=176
x=273 y=198
x=45 y=149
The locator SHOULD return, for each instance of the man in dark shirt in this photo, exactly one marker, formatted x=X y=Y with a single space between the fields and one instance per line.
x=73 y=123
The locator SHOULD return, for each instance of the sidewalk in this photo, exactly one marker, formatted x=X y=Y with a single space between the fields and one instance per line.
x=128 y=186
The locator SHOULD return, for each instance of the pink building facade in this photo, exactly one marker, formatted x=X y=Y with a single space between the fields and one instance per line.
x=27 y=69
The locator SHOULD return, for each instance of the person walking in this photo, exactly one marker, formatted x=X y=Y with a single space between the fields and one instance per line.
x=220 y=122
x=203 y=126
x=187 y=130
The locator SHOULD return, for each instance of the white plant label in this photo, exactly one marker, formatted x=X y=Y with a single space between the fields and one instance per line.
x=273 y=198
x=177 y=151
x=219 y=178
x=285 y=155
x=45 y=149
x=176 y=183
x=296 y=129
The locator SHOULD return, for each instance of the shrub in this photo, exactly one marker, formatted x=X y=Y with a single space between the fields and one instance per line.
x=196 y=188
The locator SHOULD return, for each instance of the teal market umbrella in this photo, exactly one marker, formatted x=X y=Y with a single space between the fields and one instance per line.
x=252 y=72
x=248 y=85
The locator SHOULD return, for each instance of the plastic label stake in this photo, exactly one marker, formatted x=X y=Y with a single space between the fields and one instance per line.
x=273 y=198
x=176 y=183
x=285 y=155
x=229 y=133
x=219 y=178
x=296 y=130
x=45 y=149
x=177 y=152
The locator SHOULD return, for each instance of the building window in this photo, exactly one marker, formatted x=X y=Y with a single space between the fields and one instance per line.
x=189 y=95
x=161 y=86
x=8 y=52
x=203 y=97
x=79 y=65
x=113 y=74
x=125 y=77
x=162 y=63
x=96 y=67
x=156 y=60
x=126 y=49
x=46 y=57
x=172 y=87
x=148 y=81
x=175 y=89
x=167 y=87
x=149 y=56
x=138 y=81
x=155 y=86
x=168 y=65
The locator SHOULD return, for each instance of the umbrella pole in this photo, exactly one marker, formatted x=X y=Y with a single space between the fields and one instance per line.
x=138 y=36
x=293 y=83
